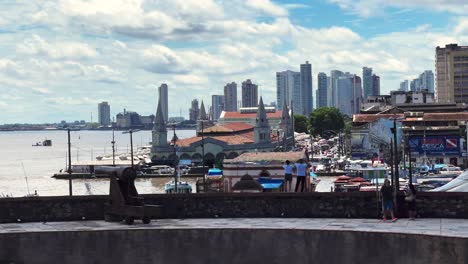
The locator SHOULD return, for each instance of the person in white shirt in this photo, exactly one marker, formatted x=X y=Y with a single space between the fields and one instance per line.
x=301 y=172
x=288 y=170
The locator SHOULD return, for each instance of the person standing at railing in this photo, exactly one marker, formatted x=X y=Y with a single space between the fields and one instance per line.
x=288 y=170
x=301 y=172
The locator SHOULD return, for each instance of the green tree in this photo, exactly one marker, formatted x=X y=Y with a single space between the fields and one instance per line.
x=300 y=123
x=325 y=118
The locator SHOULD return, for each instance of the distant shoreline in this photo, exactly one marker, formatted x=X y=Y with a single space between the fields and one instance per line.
x=84 y=129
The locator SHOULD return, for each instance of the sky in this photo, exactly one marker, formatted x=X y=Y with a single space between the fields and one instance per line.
x=59 y=59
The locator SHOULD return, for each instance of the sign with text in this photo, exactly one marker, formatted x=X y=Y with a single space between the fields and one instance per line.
x=435 y=145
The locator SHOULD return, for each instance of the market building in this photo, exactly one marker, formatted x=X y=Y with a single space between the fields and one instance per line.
x=215 y=142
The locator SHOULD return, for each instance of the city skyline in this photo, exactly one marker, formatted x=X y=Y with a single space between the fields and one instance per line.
x=60 y=59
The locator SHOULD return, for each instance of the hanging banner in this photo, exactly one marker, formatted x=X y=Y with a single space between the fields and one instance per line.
x=435 y=145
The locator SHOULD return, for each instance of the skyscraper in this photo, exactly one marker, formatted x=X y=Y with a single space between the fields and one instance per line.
x=349 y=92
x=427 y=80
x=375 y=84
x=104 y=114
x=306 y=88
x=332 y=93
x=194 y=110
x=249 y=94
x=217 y=106
x=288 y=88
x=404 y=86
x=367 y=81
x=163 y=99
x=322 y=85
x=230 y=97
x=451 y=72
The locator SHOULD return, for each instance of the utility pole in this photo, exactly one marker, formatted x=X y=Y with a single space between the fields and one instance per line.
x=203 y=155
x=395 y=148
x=69 y=165
x=113 y=148
x=174 y=139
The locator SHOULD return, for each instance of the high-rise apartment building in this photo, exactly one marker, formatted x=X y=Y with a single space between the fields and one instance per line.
x=288 y=89
x=194 y=110
x=104 y=114
x=332 y=93
x=163 y=100
x=427 y=81
x=404 y=86
x=249 y=94
x=451 y=74
x=230 y=97
x=367 y=82
x=375 y=85
x=217 y=106
x=306 y=88
x=349 y=92
x=322 y=87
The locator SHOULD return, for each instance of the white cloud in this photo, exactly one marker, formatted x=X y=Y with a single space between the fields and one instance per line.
x=267 y=7
x=121 y=52
x=368 y=8
x=59 y=50
x=40 y=90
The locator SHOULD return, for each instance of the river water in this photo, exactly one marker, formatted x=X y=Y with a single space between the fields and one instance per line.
x=26 y=168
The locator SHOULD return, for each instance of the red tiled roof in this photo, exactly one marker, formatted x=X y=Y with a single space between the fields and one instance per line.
x=237 y=115
x=460 y=116
x=235 y=140
x=454 y=116
x=238 y=126
x=187 y=141
x=365 y=118
x=229 y=127
x=268 y=156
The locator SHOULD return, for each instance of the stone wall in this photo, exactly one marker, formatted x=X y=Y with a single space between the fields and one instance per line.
x=159 y=245
x=208 y=205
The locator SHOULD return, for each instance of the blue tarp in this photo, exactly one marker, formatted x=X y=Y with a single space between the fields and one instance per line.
x=270 y=183
x=313 y=175
x=215 y=172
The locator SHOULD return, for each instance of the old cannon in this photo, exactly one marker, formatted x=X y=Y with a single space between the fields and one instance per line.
x=125 y=203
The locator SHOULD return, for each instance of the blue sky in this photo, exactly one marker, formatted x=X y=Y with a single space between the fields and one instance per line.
x=59 y=59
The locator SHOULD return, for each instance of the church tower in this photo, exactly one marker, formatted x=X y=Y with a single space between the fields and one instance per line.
x=202 y=122
x=286 y=123
x=262 y=128
x=159 y=132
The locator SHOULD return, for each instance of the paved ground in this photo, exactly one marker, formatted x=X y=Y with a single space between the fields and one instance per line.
x=438 y=227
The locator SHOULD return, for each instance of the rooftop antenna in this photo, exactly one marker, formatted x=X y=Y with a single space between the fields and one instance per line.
x=26 y=178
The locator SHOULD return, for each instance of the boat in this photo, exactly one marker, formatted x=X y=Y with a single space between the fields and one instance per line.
x=459 y=184
x=182 y=187
x=44 y=143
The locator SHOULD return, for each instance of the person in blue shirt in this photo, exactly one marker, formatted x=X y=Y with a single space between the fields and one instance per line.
x=288 y=170
x=301 y=172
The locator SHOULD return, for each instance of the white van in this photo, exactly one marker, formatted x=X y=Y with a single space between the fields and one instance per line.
x=162 y=169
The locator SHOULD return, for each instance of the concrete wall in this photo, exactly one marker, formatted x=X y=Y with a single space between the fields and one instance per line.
x=229 y=246
x=326 y=205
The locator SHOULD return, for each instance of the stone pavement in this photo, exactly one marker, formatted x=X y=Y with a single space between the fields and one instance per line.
x=436 y=227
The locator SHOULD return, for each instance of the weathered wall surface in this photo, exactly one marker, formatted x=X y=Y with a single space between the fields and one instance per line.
x=229 y=246
x=329 y=205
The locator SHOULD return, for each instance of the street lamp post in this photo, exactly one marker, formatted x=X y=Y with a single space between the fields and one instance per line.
x=203 y=155
x=174 y=139
x=113 y=148
x=69 y=165
x=131 y=131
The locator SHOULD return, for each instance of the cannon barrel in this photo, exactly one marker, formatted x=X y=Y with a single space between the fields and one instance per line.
x=121 y=173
